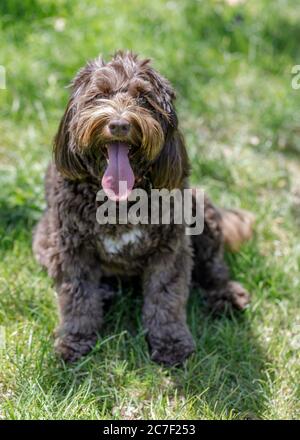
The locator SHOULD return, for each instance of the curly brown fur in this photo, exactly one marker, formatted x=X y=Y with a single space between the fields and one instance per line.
x=80 y=254
x=237 y=227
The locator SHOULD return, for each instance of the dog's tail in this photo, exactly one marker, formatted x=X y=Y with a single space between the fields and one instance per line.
x=237 y=227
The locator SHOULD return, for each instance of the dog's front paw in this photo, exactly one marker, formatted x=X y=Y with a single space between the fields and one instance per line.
x=171 y=350
x=228 y=297
x=71 y=347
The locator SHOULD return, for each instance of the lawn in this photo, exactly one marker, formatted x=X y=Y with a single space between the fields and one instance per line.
x=231 y=66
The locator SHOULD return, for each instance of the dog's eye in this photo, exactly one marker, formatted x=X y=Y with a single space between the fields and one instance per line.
x=142 y=100
x=102 y=96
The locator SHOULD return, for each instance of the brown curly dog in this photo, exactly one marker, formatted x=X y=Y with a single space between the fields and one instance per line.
x=120 y=124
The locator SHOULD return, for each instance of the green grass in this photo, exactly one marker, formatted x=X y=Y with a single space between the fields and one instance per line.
x=231 y=66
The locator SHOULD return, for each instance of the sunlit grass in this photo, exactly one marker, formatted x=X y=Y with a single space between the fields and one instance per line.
x=231 y=67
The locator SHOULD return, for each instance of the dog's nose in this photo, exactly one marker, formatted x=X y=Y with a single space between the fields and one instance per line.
x=119 y=127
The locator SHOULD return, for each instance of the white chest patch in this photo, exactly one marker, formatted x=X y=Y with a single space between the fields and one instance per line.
x=114 y=246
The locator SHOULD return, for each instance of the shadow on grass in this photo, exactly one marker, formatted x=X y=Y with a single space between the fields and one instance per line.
x=15 y=217
x=229 y=365
x=221 y=380
x=16 y=221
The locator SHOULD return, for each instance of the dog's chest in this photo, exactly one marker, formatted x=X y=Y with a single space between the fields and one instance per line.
x=124 y=248
x=126 y=242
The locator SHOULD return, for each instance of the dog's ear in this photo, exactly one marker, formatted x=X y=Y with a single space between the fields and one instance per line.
x=67 y=160
x=163 y=90
x=172 y=166
x=66 y=157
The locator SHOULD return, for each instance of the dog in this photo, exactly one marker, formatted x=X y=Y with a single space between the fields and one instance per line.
x=120 y=124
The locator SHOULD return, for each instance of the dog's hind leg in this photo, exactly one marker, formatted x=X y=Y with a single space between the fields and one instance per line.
x=210 y=271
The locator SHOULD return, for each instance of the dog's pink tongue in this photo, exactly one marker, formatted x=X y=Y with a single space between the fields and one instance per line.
x=118 y=179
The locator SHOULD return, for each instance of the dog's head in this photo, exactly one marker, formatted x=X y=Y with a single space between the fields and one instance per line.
x=120 y=125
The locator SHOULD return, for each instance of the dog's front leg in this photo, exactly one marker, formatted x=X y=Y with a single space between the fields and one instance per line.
x=80 y=299
x=165 y=288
